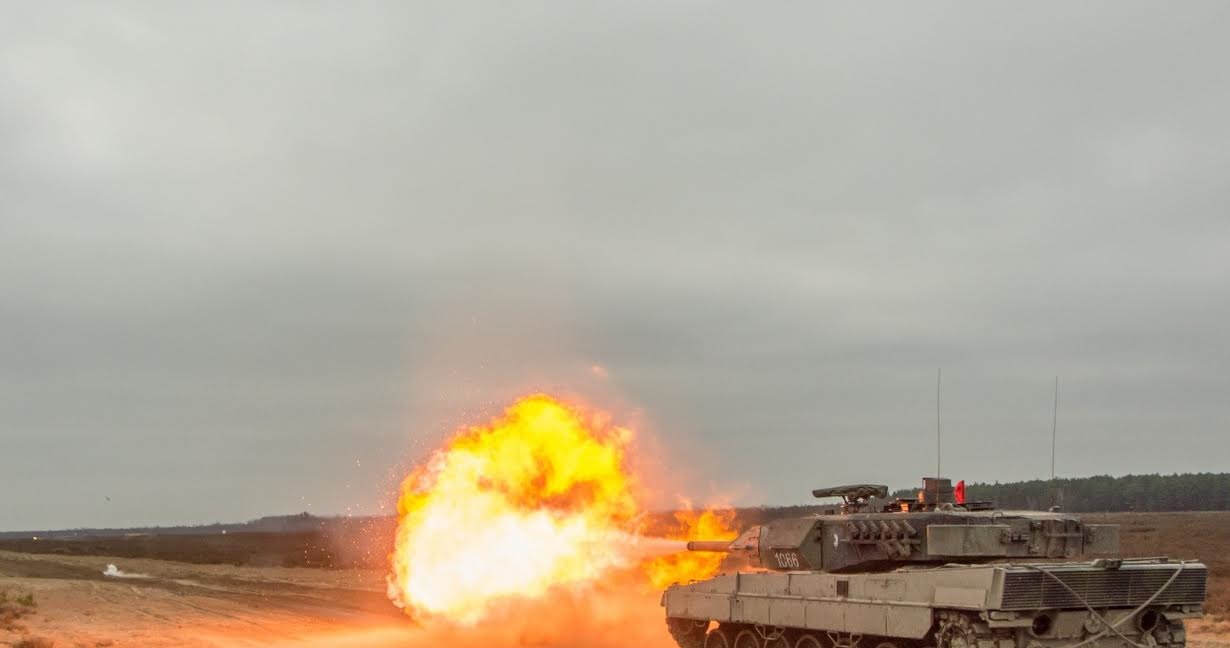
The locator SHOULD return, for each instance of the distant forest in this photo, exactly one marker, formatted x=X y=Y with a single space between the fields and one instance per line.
x=1189 y=492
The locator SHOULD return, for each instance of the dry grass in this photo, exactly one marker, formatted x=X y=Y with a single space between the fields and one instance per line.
x=13 y=607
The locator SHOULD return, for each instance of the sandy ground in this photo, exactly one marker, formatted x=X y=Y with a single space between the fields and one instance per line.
x=207 y=606
x=178 y=604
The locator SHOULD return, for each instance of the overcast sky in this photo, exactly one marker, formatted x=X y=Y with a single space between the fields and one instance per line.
x=259 y=258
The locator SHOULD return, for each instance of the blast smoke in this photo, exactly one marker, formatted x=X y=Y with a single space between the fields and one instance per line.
x=114 y=572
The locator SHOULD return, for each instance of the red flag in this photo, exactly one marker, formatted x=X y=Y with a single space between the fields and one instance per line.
x=959 y=492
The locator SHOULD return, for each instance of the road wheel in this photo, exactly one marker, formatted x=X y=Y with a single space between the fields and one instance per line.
x=808 y=641
x=956 y=632
x=886 y=644
x=1170 y=633
x=718 y=638
x=782 y=641
x=747 y=638
x=688 y=633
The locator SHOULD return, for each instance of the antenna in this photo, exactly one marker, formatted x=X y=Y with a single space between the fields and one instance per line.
x=1055 y=496
x=1054 y=427
x=939 y=383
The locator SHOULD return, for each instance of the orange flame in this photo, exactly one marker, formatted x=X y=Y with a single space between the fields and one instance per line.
x=708 y=524
x=539 y=498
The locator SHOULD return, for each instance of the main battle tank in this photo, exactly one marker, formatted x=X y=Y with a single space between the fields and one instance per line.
x=931 y=572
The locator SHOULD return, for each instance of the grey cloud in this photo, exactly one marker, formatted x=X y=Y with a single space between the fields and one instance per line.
x=242 y=247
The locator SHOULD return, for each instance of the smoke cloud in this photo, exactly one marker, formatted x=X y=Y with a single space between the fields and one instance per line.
x=115 y=572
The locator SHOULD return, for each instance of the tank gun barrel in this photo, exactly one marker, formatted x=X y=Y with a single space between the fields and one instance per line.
x=711 y=546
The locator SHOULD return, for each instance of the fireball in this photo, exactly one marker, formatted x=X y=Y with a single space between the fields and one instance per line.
x=540 y=498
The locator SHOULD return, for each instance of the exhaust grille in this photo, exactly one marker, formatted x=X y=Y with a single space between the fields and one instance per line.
x=1128 y=586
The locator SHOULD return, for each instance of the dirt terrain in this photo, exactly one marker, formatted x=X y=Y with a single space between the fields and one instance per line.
x=65 y=598
x=163 y=603
x=159 y=603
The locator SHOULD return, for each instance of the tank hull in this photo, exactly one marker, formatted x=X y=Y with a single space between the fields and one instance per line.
x=962 y=606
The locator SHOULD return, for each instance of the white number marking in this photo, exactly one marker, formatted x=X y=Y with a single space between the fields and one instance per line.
x=787 y=560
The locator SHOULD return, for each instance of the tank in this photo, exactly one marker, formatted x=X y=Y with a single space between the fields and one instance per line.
x=932 y=571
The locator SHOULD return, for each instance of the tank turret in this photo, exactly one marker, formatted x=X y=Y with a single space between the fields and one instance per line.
x=871 y=533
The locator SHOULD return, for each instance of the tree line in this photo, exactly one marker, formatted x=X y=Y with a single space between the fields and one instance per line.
x=1103 y=493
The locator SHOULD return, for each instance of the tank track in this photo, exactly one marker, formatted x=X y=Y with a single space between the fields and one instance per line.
x=953 y=630
x=961 y=630
x=687 y=633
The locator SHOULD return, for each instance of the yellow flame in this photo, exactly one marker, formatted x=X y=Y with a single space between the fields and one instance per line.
x=708 y=524
x=511 y=508
x=540 y=497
